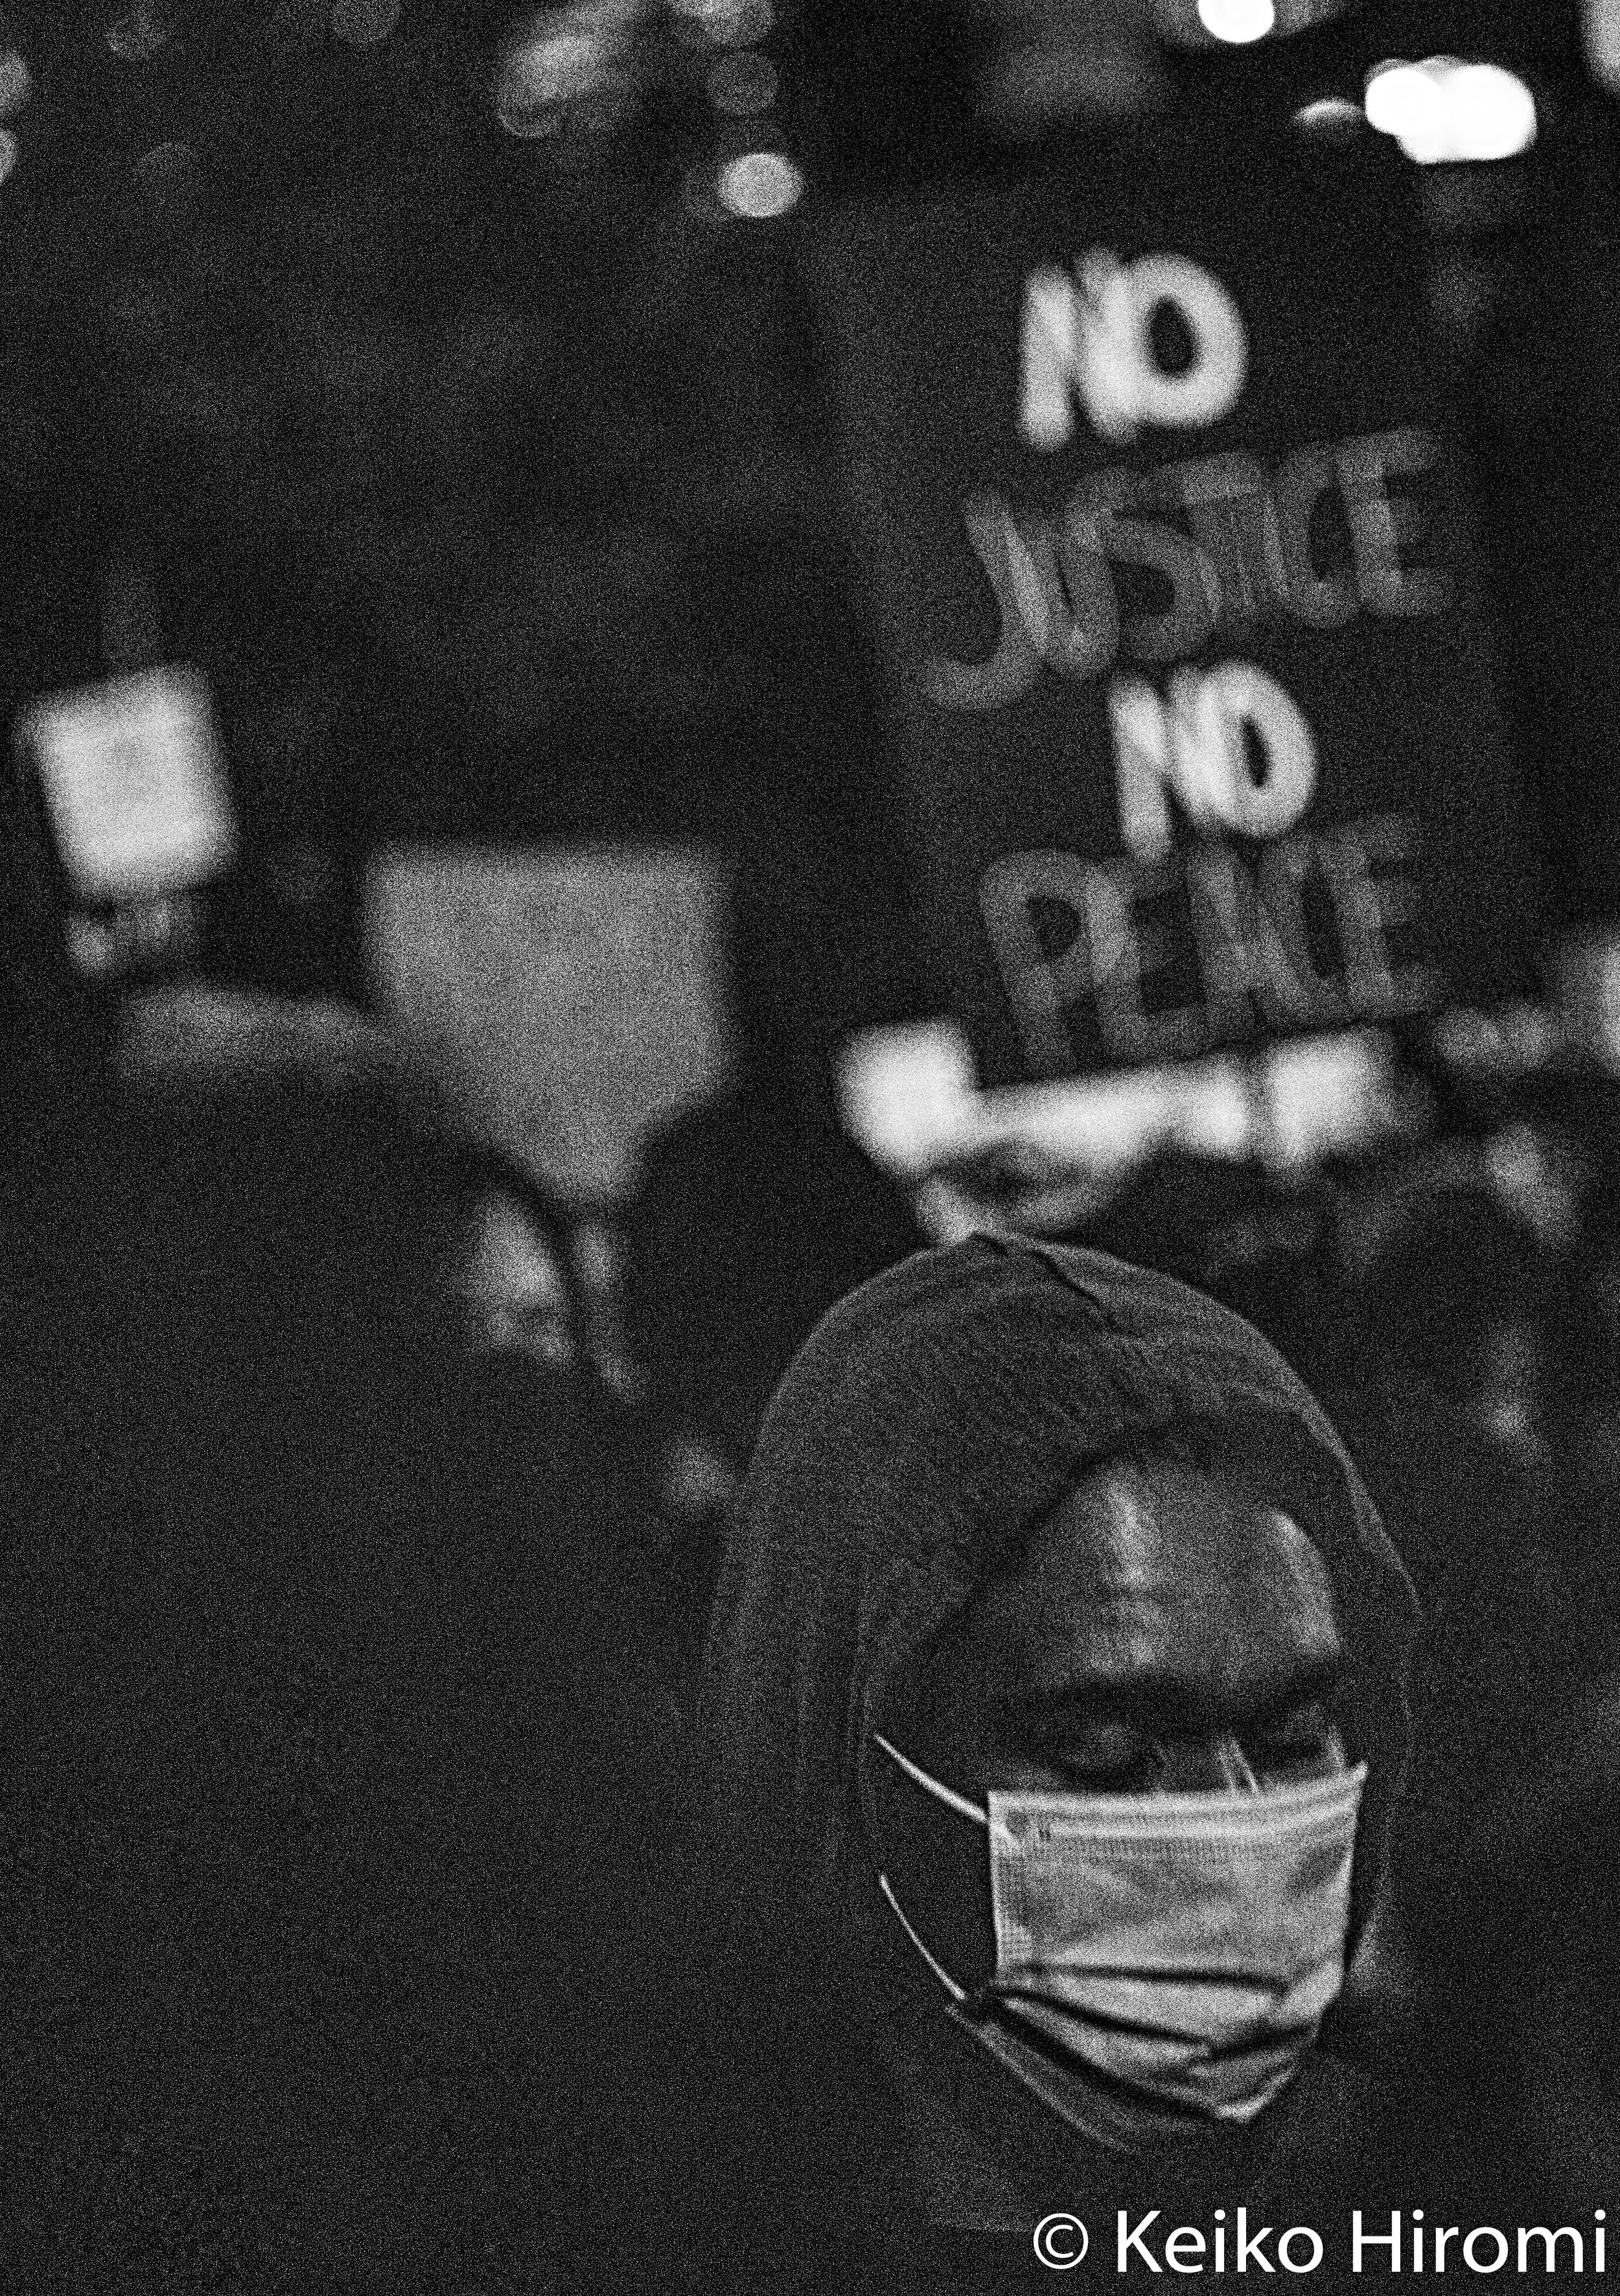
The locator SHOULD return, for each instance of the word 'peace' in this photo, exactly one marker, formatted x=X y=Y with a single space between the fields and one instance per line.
x=1205 y=947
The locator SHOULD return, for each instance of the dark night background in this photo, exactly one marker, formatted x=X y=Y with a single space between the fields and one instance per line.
x=479 y=471
x=480 y=459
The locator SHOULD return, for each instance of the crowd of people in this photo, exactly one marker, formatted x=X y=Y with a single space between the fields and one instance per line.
x=754 y=1739
x=1075 y=1767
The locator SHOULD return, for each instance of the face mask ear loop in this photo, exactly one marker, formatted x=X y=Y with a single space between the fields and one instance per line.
x=974 y=2007
x=1235 y=1767
x=935 y=1787
x=971 y=2005
x=939 y=1969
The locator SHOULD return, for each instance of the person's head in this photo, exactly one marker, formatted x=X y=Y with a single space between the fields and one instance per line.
x=1086 y=1649
x=1162 y=1630
x=1452 y=1285
x=511 y=1272
x=1135 y=1718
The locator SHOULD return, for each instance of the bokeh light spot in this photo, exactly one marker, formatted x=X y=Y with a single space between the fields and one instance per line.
x=565 y=70
x=1446 y=111
x=760 y=186
x=1492 y=112
x=1237 y=22
x=138 y=33
x=16 y=84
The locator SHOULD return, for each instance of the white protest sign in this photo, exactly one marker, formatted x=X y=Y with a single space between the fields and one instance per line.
x=571 y=999
x=910 y=1096
x=135 y=784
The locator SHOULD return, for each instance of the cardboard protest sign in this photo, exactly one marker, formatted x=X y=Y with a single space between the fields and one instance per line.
x=134 y=784
x=571 y=999
x=1169 y=577
x=126 y=786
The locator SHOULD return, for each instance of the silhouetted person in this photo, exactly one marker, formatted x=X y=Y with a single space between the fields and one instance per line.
x=331 y=1762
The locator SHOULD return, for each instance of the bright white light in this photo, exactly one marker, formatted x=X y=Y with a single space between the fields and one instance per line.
x=1405 y=99
x=760 y=186
x=1492 y=112
x=1445 y=111
x=364 y=22
x=1237 y=22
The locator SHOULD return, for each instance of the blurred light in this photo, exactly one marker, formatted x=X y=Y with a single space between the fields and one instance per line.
x=760 y=186
x=1443 y=110
x=11 y=152
x=138 y=33
x=16 y=84
x=1332 y=118
x=1494 y=112
x=1601 y=30
x=742 y=83
x=730 y=23
x=1236 y=21
x=364 y=22
x=564 y=65
x=1405 y=99
x=1192 y=23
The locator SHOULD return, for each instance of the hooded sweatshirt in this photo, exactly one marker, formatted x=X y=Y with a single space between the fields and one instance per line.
x=930 y=1422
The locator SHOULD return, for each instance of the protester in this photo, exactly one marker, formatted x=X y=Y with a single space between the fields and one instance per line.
x=518 y=1292
x=1025 y=1522
x=330 y=1767
x=1542 y=1860
x=1480 y=1458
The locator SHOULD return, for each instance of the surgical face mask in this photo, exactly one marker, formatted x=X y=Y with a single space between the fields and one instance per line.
x=1182 y=1947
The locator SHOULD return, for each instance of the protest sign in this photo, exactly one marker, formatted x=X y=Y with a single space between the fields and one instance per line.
x=133 y=782
x=125 y=782
x=570 y=998
x=1169 y=575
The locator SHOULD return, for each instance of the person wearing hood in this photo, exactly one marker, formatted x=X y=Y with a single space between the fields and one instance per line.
x=1052 y=1712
